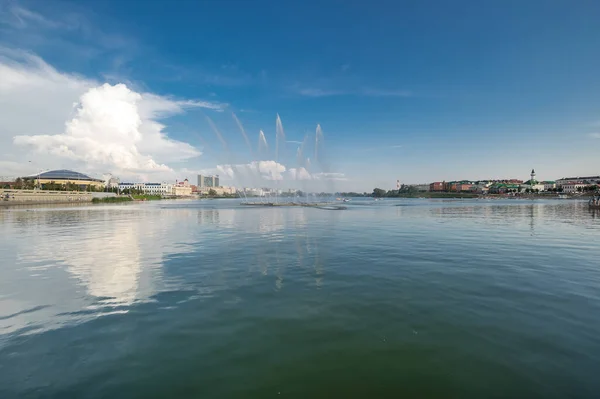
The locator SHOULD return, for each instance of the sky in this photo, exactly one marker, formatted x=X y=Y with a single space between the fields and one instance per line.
x=416 y=91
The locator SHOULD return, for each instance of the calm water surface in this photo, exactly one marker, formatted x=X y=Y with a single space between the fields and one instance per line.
x=407 y=298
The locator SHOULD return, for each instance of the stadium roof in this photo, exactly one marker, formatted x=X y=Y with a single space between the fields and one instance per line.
x=64 y=174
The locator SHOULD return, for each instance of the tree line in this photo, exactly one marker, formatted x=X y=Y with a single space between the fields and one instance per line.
x=30 y=184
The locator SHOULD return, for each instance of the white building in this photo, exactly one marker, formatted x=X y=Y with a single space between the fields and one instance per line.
x=573 y=187
x=182 y=188
x=218 y=190
x=589 y=180
x=532 y=184
x=148 y=188
x=208 y=181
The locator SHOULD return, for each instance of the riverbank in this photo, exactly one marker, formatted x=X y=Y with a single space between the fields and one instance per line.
x=430 y=194
x=111 y=200
x=503 y=196
x=127 y=198
x=146 y=197
x=40 y=197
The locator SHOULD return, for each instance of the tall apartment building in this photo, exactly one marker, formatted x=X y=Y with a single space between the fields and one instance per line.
x=208 y=181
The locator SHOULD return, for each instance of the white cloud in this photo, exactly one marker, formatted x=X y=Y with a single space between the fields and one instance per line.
x=595 y=135
x=368 y=92
x=64 y=120
x=106 y=132
x=20 y=17
x=316 y=92
x=299 y=174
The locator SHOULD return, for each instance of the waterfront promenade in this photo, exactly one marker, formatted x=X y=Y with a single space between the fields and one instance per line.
x=36 y=197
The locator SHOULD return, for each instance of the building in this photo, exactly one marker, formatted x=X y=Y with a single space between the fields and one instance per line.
x=549 y=185
x=574 y=186
x=148 y=188
x=589 y=180
x=437 y=186
x=64 y=177
x=503 y=188
x=422 y=187
x=219 y=190
x=480 y=188
x=532 y=184
x=460 y=187
x=208 y=181
x=182 y=188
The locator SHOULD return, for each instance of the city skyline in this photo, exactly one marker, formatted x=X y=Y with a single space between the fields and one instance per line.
x=417 y=92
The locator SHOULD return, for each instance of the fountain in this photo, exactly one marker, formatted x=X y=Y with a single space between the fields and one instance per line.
x=262 y=143
x=243 y=131
x=260 y=171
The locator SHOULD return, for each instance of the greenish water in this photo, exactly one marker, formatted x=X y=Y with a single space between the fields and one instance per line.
x=395 y=298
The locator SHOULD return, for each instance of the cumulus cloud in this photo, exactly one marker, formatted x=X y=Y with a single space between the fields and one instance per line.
x=299 y=174
x=65 y=120
x=106 y=131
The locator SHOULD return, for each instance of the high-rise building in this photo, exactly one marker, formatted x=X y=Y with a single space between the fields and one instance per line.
x=208 y=181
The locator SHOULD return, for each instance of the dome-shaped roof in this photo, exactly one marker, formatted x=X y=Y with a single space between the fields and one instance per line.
x=64 y=174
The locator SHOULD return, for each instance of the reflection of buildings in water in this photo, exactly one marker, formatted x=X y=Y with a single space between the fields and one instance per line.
x=208 y=216
x=531 y=214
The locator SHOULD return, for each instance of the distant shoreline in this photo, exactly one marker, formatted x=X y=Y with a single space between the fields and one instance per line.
x=494 y=196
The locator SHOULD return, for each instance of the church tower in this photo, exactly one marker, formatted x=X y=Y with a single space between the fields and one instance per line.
x=532 y=175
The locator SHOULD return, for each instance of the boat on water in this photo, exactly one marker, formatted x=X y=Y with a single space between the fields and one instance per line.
x=563 y=196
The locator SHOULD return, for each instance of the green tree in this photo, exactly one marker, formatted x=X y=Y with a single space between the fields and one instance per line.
x=378 y=193
x=29 y=184
x=212 y=193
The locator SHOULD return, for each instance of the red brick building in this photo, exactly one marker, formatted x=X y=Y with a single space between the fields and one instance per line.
x=437 y=186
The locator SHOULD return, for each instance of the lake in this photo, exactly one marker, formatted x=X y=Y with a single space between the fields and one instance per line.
x=211 y=299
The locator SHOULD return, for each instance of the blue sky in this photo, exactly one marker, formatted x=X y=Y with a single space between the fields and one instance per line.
x=412 y=90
